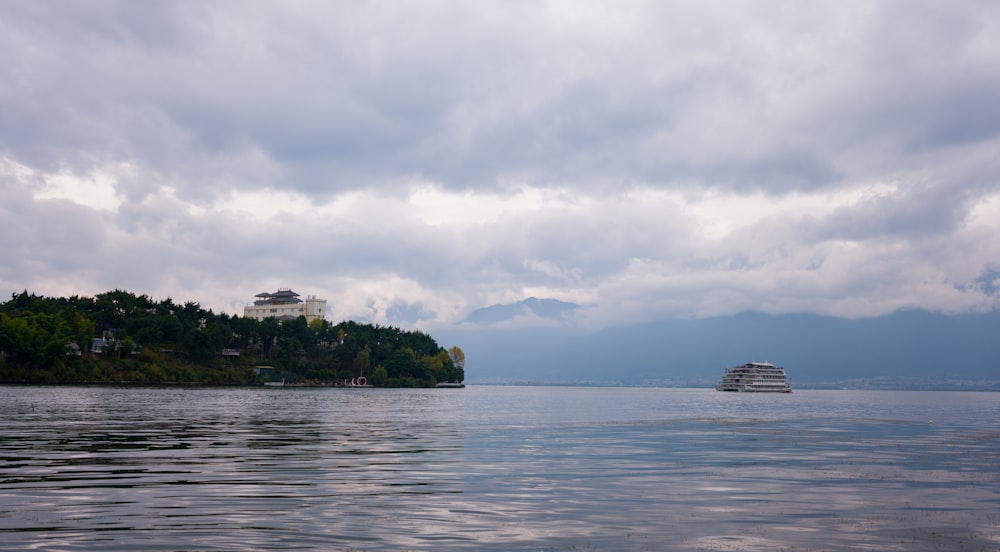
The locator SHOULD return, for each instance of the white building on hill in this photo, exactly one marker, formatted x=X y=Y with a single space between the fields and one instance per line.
x=285 y=304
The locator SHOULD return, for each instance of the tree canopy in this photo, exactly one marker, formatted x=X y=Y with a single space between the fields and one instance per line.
x=119 y=337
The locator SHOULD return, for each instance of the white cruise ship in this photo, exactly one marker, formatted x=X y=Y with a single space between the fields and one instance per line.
x=755 y=377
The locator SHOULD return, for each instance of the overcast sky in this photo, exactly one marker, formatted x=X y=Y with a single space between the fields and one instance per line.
x=413 y=161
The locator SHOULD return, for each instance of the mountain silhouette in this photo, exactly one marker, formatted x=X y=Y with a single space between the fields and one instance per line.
x=533 y=307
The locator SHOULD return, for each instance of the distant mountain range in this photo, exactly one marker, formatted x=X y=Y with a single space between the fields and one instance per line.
x=531 y=307
x=815 y=350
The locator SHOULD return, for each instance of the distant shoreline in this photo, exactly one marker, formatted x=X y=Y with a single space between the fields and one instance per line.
x=850 y=385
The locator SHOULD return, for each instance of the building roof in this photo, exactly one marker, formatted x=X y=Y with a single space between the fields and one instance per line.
x=282 y=292
x=280 y=297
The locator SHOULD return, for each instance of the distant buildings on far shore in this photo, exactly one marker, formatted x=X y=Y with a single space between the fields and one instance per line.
x=285 y=304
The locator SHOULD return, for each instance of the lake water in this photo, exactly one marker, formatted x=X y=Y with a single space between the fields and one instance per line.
x=497 y=468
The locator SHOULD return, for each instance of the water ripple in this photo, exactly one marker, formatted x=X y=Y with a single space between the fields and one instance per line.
x=496 y=469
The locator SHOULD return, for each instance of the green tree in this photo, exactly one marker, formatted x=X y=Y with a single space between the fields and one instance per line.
x=362 y=361
x=379 y=376
x=457 y=357
x=403 y=363
x=200 y=347
x=37 y=342
x=316 y=325
x=83 y=330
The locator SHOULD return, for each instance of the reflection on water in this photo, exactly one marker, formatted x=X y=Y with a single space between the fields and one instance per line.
x=496 y=468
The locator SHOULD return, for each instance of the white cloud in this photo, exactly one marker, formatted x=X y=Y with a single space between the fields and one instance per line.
x=96 y=189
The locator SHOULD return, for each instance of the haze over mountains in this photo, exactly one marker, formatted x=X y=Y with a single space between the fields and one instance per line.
x=531 y=307
x=907 y=347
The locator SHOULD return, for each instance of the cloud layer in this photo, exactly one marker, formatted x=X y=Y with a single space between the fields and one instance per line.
x=413 y=161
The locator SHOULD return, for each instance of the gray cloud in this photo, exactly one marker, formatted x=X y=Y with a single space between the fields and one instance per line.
x=644 y=159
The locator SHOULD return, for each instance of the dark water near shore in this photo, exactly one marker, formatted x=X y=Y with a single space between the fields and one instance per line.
x=497 y=468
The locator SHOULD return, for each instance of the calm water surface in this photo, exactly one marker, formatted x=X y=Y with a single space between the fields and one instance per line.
x=497 y=468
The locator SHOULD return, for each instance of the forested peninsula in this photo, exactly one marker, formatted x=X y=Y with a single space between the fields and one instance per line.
x=119 y=337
